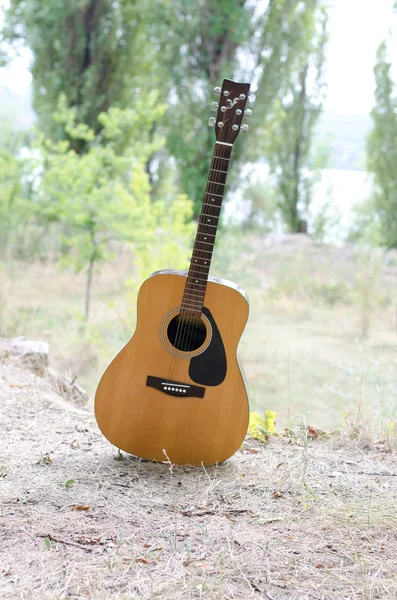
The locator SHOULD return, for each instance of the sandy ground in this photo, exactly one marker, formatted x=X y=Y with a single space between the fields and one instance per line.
x=295 y=518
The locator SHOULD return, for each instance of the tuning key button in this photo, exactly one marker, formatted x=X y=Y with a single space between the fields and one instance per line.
x=248 y=113
x=251 y=98
x=211 y=121
x=244 y=128
x=214 y=106
x=217 y=91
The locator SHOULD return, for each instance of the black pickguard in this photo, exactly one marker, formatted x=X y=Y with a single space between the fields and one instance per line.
x=209 y=367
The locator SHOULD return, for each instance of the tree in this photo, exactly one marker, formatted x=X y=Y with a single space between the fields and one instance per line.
x=15 y=210
x=102 y=197
x=290 y=141
x=94 y=51
x=216 y=40
x=382 y=149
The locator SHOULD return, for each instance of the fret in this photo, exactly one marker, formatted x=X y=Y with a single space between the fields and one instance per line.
x=196 y=284
x=204 y=214
x=206 y=243
x=191 y=308
x=195 y=272
x=194 y=293
x=197 y=264
x=201 y=250
x=213 y=205
x=195 y=301
x=207 y=225
x=195 y=297
x=196 y=280
x=205 y=232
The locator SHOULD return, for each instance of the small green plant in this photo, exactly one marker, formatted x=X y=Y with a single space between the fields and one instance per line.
x=47 y=543
x=68 y=483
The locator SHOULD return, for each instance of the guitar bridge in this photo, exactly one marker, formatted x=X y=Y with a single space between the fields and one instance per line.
x=175 y=388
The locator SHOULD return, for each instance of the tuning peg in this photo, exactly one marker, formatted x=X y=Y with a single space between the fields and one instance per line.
x=248 y=113
x=244 y=128
x=211 y=121
x=251 y=98
x=217 y=91
x=214 y=106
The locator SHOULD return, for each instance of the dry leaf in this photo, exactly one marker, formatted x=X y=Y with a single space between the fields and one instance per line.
x=230 y=519
x=81 y=507
x=277 y=495
x=311 y=431
x=143 y=560
x=90 y=541
x=253 y=451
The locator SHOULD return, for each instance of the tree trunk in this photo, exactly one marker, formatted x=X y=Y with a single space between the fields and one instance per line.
x=88 y=287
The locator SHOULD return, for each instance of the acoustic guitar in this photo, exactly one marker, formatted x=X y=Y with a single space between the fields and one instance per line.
x=175 y=391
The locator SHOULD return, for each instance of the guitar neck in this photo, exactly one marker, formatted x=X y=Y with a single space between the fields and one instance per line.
x=197 y=278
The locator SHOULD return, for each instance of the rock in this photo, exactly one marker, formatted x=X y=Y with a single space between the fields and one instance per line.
x=34 y=356
x=26 y=354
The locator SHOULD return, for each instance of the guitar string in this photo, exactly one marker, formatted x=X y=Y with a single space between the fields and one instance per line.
x=188 y=330
x=187 y=334
x=218 y=178
x=184 y=329
x=188 y=340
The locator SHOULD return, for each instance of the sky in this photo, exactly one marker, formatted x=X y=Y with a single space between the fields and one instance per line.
x=356 y=29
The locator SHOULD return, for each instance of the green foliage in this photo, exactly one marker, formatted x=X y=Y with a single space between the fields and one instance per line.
x=92 y=50
x=382 y=148
x=296 y=113
x=15 y=210
x=102 y=197
x=202 y=45
x=262 y=212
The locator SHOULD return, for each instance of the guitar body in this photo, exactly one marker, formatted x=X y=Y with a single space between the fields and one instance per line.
x=161 y=395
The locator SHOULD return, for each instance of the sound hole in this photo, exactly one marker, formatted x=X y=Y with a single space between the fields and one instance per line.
x=186 y=333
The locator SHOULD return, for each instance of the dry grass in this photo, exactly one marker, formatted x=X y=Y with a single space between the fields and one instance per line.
x=298 y=518
x=302 y=352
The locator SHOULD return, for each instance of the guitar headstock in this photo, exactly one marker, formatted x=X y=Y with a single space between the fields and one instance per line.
x=231 y=110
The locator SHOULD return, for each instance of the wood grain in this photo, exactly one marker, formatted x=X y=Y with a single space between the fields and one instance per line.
x=145 y=421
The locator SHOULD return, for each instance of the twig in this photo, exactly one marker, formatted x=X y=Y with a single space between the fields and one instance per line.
x=66 y=542
x=258 y=589
x=380 y=474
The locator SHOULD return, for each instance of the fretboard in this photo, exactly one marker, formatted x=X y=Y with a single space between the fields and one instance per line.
x=196 y=283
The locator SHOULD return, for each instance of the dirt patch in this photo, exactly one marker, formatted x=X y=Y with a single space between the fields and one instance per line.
x=296 y=518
